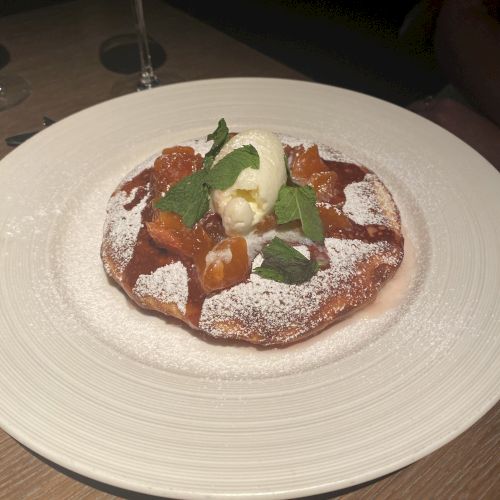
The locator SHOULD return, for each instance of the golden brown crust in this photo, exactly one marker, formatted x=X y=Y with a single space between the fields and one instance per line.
x=306 y=309
x=257 y=311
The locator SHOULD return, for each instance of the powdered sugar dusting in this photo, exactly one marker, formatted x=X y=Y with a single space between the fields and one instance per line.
x=362 y=203
x=140 y=168
x=202 y=146
x=124 y=225
x=303 y=250
x=110 y=318
x=168 y=284
x=325 y=152
x=224 y=255
x=282 y=306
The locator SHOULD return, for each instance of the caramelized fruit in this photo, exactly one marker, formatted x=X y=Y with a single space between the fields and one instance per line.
x=168 y=231
x=334 y=222
x=212 y=223
x=327 y=187
x=173 y=165
x=227 y=264
x=305 y=163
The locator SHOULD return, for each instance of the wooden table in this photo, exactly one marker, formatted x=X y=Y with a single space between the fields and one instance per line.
x=56 y=49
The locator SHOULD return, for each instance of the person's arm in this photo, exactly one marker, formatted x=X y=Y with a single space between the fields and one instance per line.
x=467 y=45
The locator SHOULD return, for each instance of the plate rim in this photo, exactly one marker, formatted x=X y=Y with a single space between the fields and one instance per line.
x=92 y=473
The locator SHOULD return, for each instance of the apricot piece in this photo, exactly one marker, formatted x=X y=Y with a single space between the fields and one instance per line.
x=173 y=165
x=327 y=187
x=334 y=222
x=168 y=220
x=201 y=244
x=212 y=223
x=225 y=265
x=177 y=241
x=168 y=231
x=305 y=163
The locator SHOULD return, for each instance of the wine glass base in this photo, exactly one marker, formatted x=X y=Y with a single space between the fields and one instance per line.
x=4 y=56
x=120 y=54
x=13 y=90
x=150 y=84
x=132 y=84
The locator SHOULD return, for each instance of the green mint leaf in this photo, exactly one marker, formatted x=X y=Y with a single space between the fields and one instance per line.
x=189 y=198
x=285 y=264
x=299 y=203
x=220 y=136
x=269 y=273
x=225 y=172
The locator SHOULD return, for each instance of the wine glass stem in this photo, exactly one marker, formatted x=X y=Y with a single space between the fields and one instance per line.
x=148 y=78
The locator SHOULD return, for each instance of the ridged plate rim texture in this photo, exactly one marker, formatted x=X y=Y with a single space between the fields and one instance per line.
x=118 y=421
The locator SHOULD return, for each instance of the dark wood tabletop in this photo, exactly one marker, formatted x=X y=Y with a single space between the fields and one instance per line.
x=56 y=49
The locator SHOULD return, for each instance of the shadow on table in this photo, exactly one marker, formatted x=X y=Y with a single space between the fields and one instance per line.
x=132 y=495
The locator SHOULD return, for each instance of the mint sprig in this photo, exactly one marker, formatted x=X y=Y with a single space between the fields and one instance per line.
x=188 y=198
x=220 y=136
x=285 y=264
x=299 y=203
x=225 y=172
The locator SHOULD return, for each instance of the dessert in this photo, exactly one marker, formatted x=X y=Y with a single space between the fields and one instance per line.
x=262 y=239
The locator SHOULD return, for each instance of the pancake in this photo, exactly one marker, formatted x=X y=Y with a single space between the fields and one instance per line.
x=362 y=249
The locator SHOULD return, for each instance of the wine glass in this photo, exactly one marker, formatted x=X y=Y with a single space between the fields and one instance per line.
x=13 y=88
x=147 y=76
x=120 y=54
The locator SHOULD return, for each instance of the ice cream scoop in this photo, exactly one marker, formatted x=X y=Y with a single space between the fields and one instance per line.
x=253 y=195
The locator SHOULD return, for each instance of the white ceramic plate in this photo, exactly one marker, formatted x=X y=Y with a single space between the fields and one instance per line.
x=125 y=397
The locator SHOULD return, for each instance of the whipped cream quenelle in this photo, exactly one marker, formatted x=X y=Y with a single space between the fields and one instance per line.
x=253 y=195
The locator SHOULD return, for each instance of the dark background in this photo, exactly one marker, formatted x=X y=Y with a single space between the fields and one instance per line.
x=352 y=44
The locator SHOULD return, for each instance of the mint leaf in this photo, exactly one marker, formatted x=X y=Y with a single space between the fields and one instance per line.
x=220 y=136
x=188 y=198
x=299 y=203
x=225 y=172
x=285 y=264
